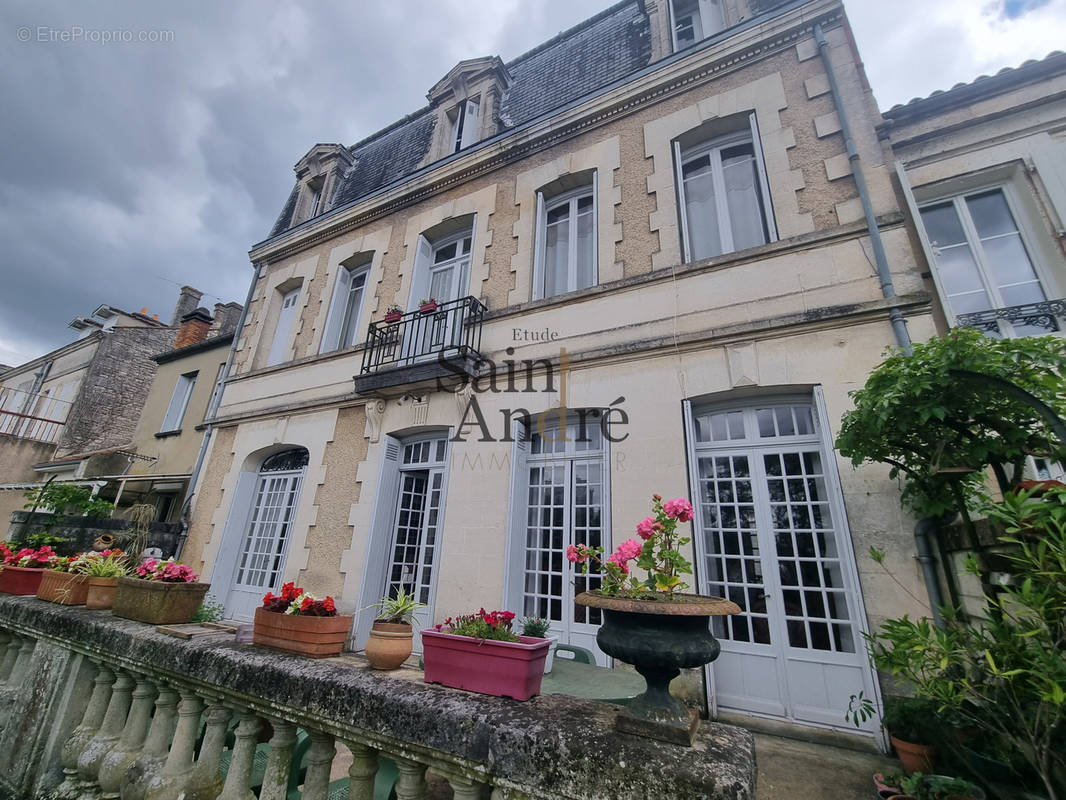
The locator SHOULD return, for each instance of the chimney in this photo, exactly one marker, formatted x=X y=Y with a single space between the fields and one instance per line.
x=226 y=316
x=187 y=302
x=194 y=328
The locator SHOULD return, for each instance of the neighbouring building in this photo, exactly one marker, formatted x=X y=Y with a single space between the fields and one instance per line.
x=651 y=265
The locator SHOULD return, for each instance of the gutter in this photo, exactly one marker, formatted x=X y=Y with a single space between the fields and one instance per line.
x=212 y=411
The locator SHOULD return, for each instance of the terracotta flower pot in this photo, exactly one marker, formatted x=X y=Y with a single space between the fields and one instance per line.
x=101 y=593
x=393 y=317
x=158 y=602
x=504 y=669
x=20 y=580
x=915 y=757
x=389 y=645
x=315 y=637
x=64 y=588
x=428 y=308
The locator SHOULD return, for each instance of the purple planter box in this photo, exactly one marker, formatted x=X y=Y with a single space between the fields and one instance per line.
x=504 y=669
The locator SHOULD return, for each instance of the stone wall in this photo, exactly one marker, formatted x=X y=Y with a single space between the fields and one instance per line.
x=19 y=456
x=83 y=531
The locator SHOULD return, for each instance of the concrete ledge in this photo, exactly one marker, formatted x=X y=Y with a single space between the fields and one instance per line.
x=549 y=747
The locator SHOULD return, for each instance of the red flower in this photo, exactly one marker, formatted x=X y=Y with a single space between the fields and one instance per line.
x=328 y=604
x=268 y=597
x=289 y=591
x=306 y=604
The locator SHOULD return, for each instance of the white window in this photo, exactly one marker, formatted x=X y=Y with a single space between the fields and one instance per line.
x=316 y=201
x=693 y=20
x=179 y=401
x=982 y=262
x=566 y=242
x=279 y=347
x=725 y=200
x=442 y=268
x=465 y=125
x=342 y=324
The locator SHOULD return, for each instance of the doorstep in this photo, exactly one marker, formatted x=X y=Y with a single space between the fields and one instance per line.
x=803 y=733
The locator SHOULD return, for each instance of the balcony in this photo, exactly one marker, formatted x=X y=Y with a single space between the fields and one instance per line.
x=39 y=418
x=1030 y=319
x=419 y=348
x=92 y=705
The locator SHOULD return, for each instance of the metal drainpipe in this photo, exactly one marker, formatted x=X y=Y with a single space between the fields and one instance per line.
x=924 y=529
x=212 y=409
x=899 y=324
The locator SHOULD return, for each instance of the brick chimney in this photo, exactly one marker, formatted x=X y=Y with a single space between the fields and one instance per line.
x=187 y=302
x=194 y=328
x=226 y=316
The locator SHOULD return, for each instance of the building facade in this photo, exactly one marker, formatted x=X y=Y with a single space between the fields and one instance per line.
x=653 y=254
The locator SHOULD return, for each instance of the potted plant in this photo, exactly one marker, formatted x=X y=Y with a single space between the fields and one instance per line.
x=480 y=653
x=103 y=571
x=649 y=623
x=62 y=583
x=297 y=622
x=391 y=636
x=393 y=314
x=159 y=593
x=427 y=306
x=537 y=628
x=23 y=570
x=926 y=787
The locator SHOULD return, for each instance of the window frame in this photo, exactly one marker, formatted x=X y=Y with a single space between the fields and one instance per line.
x=462 y=134
x=284 y=330
x=544 y=207
x=185 y=384
x=703 y=11
x=714 y=146
x=341 y=323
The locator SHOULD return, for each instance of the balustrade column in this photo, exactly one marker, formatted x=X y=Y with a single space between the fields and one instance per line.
x=319 y=764
x=205 y=783
x=466 y=788
x=178 y=768
x=276 y=779
x=118 y=708
x=238 y=779
x=411 y=784
x=22 y=662
x=362 y=772
x=147 y=766
x=6 y=639
x=116 y=762
x=85 y=731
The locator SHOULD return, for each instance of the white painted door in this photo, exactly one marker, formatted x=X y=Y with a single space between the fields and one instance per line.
x=279 y=346
x=566 y=503
x=771 y=537
x=261 y=559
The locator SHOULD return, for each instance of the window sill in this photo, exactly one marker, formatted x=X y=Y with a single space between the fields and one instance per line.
x=166 y=434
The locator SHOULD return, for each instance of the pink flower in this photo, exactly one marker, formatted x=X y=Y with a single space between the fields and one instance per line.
x=648 y=527
x=680 y=509
x=619 y=561
x=575 y=555
x=629 y=549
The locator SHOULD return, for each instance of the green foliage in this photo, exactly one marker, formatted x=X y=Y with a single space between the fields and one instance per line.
x=495 y=625
x=42 y=538
x=536 y=627
x=401 y=608
x=65 y=498
x=927 y=417
x=913 y=719
x=933 y=787
x=210 y=610
x=111 y=566
x=1006 y=673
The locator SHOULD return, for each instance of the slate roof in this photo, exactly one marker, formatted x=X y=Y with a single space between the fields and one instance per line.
x=609 y=46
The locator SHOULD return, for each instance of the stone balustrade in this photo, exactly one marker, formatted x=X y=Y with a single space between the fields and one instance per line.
x=93 y=706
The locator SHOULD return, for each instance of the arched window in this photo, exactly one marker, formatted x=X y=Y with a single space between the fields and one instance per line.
x=285 y=461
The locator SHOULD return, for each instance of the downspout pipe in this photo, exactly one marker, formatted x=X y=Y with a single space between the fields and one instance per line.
x=924 y=532
x=212 y=411
x=899 y=324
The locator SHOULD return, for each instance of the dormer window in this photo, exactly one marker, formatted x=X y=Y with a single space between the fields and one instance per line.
x=465 y=125
x=316 y=201
x=694 y=20
x=314 y=204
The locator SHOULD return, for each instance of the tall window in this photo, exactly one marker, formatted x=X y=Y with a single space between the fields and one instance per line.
x=693 y=20
x=724 y=196
x=981 y=260
x=448 y=267
x=279 y=346
x=342 y=324
x=179 y=402
x=465 y=125
x=566 y=236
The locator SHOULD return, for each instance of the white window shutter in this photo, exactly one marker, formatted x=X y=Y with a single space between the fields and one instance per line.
x=682 y=212
x=538 y=249
x=764 y=185
x=420 y=284
x=332 y=333
x=1050 y=162
x=471 y=125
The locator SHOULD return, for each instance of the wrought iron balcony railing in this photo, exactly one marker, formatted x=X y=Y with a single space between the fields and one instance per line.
x=1030 y=318
x=452 y=329
x=37 y=417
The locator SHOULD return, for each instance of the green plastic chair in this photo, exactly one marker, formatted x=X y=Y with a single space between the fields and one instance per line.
x=581 y=655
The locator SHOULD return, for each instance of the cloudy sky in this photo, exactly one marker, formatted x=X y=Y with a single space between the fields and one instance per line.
x=130 y=168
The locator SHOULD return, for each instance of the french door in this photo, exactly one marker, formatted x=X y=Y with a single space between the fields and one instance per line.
x=442 y=273
x=269 y=528
x=566 y=503
x=771 y=537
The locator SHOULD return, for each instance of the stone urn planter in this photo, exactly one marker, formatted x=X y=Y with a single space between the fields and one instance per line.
x=389 y=645
x=65 y=588
x=314 y=637
x=659 y=637
x=504 y=669
x=20 y=580
x=158 y=602
x=101 y=593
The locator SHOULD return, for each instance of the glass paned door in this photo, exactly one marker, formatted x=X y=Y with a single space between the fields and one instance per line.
x=767 y=539
x=565 y=504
